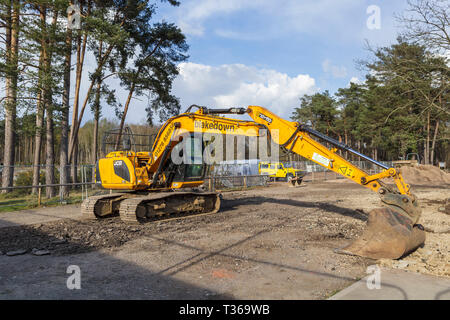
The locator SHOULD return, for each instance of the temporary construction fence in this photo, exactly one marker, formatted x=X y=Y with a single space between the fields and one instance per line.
x=24 y=194
x=23 y=174
x=232 y=173
x=230 y=182
x=21 y=195
x=316 y=172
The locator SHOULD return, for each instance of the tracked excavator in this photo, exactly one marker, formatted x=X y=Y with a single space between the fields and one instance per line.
x=151 y=186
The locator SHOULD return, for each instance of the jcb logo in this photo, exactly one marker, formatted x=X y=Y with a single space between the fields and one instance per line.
x=118 y=163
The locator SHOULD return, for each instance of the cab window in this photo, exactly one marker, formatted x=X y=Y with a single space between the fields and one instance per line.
x=264 y=166
x=280 y=166
x=194 y=171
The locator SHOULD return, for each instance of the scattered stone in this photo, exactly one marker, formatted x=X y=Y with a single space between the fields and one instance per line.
x=38 y=252
x=425 y=252
x=402 y=264
x=16 y=252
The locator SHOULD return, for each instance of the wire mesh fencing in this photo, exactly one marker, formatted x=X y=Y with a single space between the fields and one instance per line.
x=31 y=188
x=315 y=172
x=233 y=182
x=26 y=193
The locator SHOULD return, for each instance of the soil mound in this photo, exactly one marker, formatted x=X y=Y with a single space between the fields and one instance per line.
x=425 y=175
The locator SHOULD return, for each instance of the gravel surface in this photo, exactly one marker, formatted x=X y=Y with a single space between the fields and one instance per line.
x=265 y=243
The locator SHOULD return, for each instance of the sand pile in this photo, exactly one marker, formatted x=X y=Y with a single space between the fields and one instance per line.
x=425 y=175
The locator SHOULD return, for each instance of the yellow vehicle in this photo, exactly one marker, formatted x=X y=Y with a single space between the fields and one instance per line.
x=278 y=170
x=150 y=184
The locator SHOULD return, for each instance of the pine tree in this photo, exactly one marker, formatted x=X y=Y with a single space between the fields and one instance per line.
x=10 y=69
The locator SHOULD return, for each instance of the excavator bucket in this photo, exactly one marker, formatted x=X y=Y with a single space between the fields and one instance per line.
x=389 y=234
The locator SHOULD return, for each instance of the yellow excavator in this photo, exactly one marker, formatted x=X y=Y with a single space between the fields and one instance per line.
x=150 y=184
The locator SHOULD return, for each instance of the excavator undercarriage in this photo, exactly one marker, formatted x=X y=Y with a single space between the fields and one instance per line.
x=152 y=206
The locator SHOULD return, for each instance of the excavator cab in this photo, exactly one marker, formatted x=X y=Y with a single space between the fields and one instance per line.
x=192 y=169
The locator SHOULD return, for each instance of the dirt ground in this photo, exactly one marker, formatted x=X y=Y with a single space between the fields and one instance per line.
x=266 y=243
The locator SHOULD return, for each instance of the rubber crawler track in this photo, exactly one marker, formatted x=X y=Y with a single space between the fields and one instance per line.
x=91 y=207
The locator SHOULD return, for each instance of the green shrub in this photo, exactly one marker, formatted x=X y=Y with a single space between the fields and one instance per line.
x=25 y=178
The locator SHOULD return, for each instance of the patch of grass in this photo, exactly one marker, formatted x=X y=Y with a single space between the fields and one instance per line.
x=332 y=293
x=14 y=202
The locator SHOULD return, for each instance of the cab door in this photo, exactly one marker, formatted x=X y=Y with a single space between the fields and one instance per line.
x=264 y=169
x=281 y=171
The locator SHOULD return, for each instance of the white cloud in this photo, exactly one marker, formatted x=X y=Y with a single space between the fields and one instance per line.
x=192 y=14
x=335 y=71
x=238 y=85
x=279 y=16
x=355 y=80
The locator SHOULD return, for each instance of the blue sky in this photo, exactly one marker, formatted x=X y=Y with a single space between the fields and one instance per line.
x=270 y=52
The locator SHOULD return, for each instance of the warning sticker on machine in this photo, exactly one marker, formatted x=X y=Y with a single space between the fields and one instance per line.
x=321 y=159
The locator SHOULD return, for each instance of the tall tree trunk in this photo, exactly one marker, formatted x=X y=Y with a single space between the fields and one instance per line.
x=40 y=111
x=96 y=121
x=97 y=107
x=38 y=143
x=427 y=159
x=49 y=154
x=73 y=141
x=50 y=139
x=74 y=164
x=80 y=59
x=63 y=156
x=425 y=155
x=12 y=47
x=346 y=142
x=433 y=144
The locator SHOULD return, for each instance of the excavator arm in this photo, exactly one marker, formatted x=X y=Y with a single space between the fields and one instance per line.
x=298 y=138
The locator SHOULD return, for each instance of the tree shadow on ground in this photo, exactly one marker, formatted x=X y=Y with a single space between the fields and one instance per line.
x=102 y=275
x=228 y=205
x=202 y=255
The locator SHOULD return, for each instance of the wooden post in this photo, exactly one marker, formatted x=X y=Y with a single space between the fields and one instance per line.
x=39 y=195
x=82 y=182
